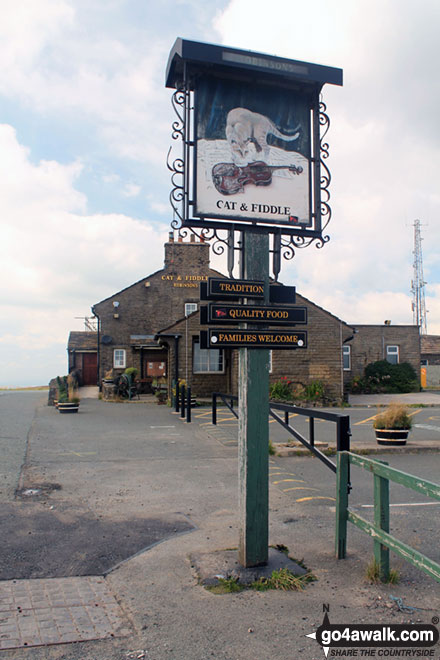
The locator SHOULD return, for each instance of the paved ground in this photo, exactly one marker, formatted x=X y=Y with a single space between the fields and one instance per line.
x=127 y=462
x=427 y=397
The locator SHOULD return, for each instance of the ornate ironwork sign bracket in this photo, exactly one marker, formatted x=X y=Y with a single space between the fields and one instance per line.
x=217 y=200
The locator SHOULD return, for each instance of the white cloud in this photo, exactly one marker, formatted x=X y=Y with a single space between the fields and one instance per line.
x=131 y=190
x=56 y=261
x=383 y=143
x=53 y=63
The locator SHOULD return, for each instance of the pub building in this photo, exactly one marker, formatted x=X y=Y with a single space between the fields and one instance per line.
x=154 y=325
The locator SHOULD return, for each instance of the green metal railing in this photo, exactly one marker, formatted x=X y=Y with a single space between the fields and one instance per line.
x=379 y=530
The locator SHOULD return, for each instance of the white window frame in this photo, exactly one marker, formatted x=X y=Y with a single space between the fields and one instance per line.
x=119 y=358
x=190 y=308
x=270 y=361
x=346 y=351
x=209 y=353
x=393 y=353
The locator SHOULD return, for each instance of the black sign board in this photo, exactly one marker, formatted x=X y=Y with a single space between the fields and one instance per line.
x=233 y=338
x=222 y=288
x=277 y=293
x=233 y=314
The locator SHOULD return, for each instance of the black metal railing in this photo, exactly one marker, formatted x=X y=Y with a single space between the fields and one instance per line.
x=183 y=402
x=228 y=400
x=342 y=423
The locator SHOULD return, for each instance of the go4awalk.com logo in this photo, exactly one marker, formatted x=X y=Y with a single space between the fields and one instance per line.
x=376 y=640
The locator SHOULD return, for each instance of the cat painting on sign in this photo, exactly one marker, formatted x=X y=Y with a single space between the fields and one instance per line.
x=246 y=133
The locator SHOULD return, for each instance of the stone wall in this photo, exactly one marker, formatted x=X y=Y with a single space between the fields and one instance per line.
x=370 y=342
x=320 y=361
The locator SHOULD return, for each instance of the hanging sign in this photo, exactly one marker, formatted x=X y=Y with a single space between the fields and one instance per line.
x=233 y=314
x=234 y=338
x=252 y=125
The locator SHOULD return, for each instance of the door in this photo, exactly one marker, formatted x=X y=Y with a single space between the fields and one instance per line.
x=89 y=369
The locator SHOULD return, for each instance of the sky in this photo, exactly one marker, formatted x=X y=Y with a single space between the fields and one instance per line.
x=85 y=127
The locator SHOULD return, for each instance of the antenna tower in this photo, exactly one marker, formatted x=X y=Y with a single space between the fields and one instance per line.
x=418 y=283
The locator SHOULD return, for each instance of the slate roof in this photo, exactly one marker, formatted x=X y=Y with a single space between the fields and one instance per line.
x=430 y=344
x=82 y=341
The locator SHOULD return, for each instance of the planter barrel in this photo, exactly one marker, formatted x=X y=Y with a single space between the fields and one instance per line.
x=68 y=407
x=391 y=437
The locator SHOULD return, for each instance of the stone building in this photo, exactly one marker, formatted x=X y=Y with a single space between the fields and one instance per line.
x=82 y=350
x=430 y=360
x=371 y=343
x=129 y=320
x=154 y=325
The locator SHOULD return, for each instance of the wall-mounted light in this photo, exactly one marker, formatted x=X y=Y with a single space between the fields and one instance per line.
x=115 y=304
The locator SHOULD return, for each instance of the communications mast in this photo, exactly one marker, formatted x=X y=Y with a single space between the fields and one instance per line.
x=418 y=283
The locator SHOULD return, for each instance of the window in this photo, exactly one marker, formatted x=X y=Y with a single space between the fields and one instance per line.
x=206 y=360
x=346 y=357
x=119 y=358
x=393 y=354
x=190 y=308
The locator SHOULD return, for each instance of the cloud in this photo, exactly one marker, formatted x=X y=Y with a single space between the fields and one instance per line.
x=383 y=144
x=131 y=190
x=56 y=261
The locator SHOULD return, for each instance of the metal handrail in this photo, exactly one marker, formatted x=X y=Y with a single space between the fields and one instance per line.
x=224 y=398
x=342 y=422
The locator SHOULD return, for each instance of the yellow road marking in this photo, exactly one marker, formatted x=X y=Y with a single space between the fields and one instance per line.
x=315 y=497
x=219 y=421
x=364 y=421
x=286 y=490
x=300 y=481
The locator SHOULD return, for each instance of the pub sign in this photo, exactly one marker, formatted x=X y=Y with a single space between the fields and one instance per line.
x=250 y=125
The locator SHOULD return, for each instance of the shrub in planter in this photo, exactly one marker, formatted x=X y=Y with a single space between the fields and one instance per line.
x=68 y=399
x=393 y=425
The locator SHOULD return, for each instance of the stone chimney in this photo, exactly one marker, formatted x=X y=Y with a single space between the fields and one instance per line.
x=187 y=257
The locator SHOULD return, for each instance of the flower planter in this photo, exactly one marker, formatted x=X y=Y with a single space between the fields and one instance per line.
x=391 y=437
x=68 y=407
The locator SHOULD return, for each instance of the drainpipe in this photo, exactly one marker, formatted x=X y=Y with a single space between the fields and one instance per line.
x=176 y=358
x=342 y=357
x=98 y=352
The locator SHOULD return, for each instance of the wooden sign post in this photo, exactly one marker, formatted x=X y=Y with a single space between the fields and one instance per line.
x=229 y=177
x=253 y=425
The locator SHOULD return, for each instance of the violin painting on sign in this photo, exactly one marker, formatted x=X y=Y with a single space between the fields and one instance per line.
x=252 y=153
